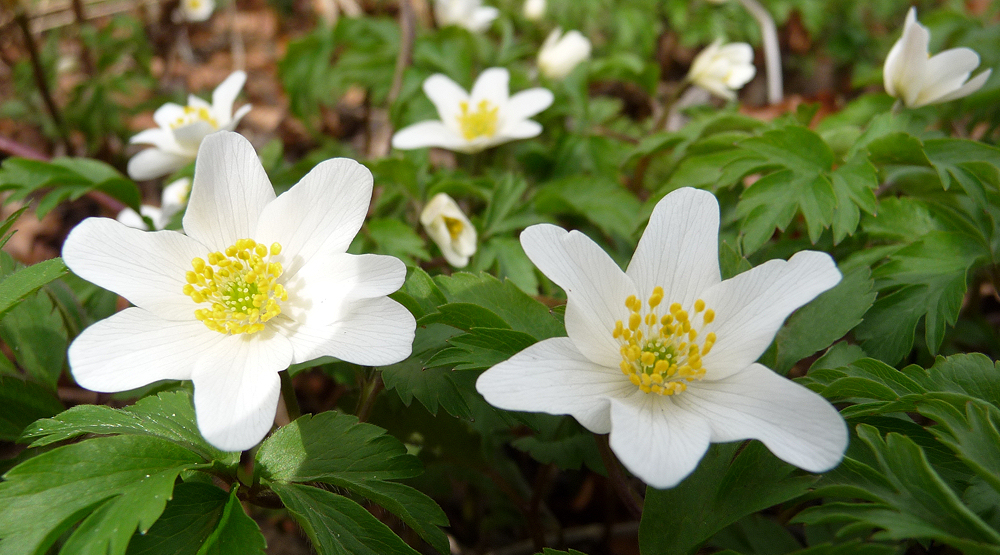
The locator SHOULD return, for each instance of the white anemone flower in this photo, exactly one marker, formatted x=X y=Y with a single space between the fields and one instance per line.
x=470 y=14
x=254 y=284
x=723 y=69
x=471 y=122
x=182 y=128
x=534 y=10
x=197 y=10
x=662 y=356
x=916 y=78
x=172 y=201
x=448 y=226
x=561 y=53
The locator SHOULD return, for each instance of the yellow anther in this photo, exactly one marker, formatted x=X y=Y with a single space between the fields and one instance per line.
x=675 y=308
x=648 y=359
x=650 y=319
x=709 y=316
x=275 y=249
x=692 y=335
x=699 y=305
x=646 y=379
x=480 y=122
x=619 y=328
x=634 y=379
x=666 y=320
x=634 y=320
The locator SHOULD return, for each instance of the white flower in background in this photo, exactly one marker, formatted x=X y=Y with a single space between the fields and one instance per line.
x=722 y=69
x=661 y=356
x=255 y=283
x=470 y=14
x=916 y=78
x=447 y=225
x=561 y=53
x=534 y=10
x=182 y=128
x=471 y=122
x=197 y=10
x=173 y=200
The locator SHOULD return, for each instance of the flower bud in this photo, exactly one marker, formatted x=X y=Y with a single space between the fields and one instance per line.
x=561 y=53
x=447 y=226
x=534 y=10
x=722 y=69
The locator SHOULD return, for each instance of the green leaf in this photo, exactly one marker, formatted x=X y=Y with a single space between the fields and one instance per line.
x=854 y=185
x=824 y=320
x=419 y=294
x=37 y=336
x=68 y=178
x=727 y=485
x=111 y=485
x=974 y=434
x=200 y=519
x=503 y=298
x=395 y=238
x=337 y=525
x=21 y=403
x=464 y=316
x=433 y=386
x=16 y=286
x=773 y=201
x=336 y=449
x=600 y=200
x=560 y=440
x=169 y=416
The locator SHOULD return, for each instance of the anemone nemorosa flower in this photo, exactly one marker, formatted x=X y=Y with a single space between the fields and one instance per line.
x=560 y=53
x=255 y=283
x=662 y=356
x=469 y=14
x=723 y=69
x=450 y=229
x=915 y=77
x=471 y=122
x=181 y=129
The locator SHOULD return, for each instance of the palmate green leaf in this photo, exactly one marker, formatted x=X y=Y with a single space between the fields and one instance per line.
x=562 y=441
x=36 y=334
x=21 y=403
x=114 y=485
x=602 y=201
x=69 y=178
x=395 y=238
x=854 y=185
x=728 y=484
x=338 y=526
x=336 y=449
x=960 y=160
x=503 y=298
x=169 y=416
x=824 y=320
x=924 y=280
x=911 y=500
x=200 y=519
x=973 y=433
x=481 y=348
x=17 y=285
x=775 y=199
x=434 y=387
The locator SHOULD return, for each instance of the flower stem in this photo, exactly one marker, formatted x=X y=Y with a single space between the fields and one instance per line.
x=288 y=394
x=897 y=107
x=635 y=182
x=370 y=395
x=21 y=18
x=772 y=53
x=617 y=477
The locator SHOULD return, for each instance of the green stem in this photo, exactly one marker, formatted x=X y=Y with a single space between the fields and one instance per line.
x=371 y=391
x=617 y=477
x=288 y=394
x=635 y=182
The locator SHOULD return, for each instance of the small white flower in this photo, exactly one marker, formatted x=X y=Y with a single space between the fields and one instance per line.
x=561 y=53
x=668 y=375
x=447 y=225
x=255 y=283
x=197 y=10
x=534 y=10
x=477 y=121
x=172 y=201
x=723 y=69
x=182 y=128
x=470 y=14
x=912 y=75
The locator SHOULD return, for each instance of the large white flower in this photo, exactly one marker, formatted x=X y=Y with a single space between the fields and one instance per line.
x=723 y=69
x=561 y=53
x=172 y=201
x=915 y=77
x=480 y=120
x=182 y=128
x=448 y=226
x=255 y=283
x=470 y=14
x=661 y=356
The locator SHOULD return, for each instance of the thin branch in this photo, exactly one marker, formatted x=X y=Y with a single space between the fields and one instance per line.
x=86 y=56
x=407 y=35
x=288 y=395
x=43 y=86
x=14 y=148
x=772 y=52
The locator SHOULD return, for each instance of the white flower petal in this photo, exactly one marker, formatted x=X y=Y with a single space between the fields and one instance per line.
x=655 y=439
x=750 y=308
x=797 y=425
x=445 y=94
x=229 y=192
x=950 y=69
x=493 y=84
x=595 y=286
x=318 y=291
x=524 y=129
x=147 y=268
x=968 y=88
x=427 y=134
x=552 y=376
x=482 y=18
x=189 y=136
x=908 y=71
x=372 y=332
x=225 y=94
x=168 y=114
x=527 y=103
x=154 y=162
x=236 y=387
x=134 y=348
x=679 y=251
x=320 y=215
x=160 y=138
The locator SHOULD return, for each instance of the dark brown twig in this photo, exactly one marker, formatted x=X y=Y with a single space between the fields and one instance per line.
x=86 y=56
x=43 y=86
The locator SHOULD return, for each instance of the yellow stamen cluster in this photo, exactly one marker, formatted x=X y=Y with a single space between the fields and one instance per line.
x=482 y=122
x=240 y=285
x=192 y=114
x=660 y=354
x=454 y=226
